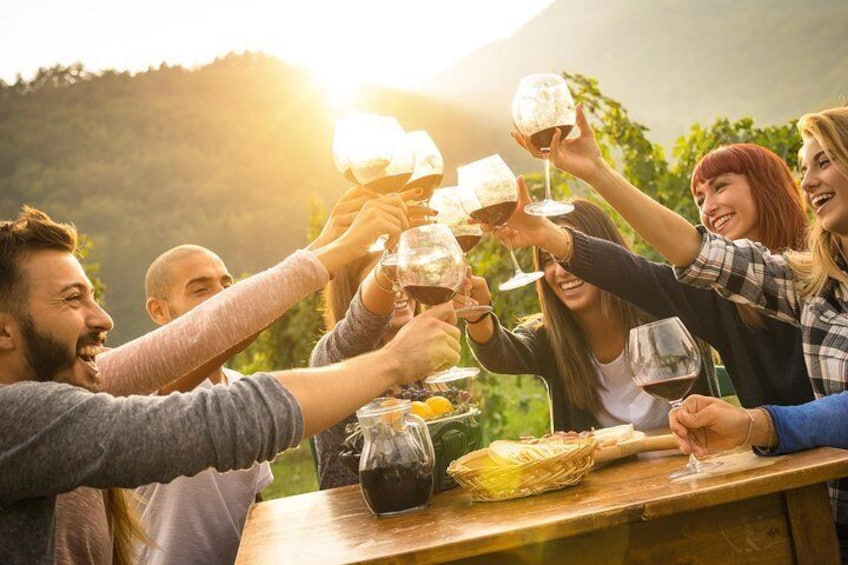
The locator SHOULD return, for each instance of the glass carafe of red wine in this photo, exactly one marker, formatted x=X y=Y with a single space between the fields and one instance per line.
x=541 y=104
x=665 y=362
x=396 y=464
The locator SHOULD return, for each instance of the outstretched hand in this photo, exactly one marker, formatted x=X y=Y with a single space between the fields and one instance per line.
x=523 y=229
x=427 y=344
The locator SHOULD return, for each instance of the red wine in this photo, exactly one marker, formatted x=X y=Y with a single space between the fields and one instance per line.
x=389 y=184
x=396 y=488
x=429 y=295
x=428 y=183
x=542 y=139
x=672 y=389
x=467 y=242
x=496 y=214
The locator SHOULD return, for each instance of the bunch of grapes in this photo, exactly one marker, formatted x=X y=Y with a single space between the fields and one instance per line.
x=455 y=395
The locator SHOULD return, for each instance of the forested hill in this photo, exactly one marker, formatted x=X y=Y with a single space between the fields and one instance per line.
x=672 y=62
x=224 y=156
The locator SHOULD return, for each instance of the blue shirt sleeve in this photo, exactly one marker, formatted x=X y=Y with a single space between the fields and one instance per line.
x=815 y=424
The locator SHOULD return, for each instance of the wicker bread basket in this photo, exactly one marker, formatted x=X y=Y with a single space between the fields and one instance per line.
x=507 y=470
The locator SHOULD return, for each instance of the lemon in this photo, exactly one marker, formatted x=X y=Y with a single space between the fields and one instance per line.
x=439 y=405
x=421 y=409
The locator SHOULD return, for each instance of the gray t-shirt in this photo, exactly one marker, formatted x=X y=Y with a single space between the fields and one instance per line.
x=56 y=437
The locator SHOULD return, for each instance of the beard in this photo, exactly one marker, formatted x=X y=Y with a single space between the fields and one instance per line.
x=46 y=357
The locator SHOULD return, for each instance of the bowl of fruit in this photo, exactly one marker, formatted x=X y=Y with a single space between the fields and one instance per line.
x=453 y=421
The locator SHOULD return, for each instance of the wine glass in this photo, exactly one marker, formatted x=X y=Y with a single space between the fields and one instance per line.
x=431 y=269
x=429 y=164
x=492 y=197
x=448 y=203
x=542 y=104
x=377 y=154
x=665 y=362
x=344 y=138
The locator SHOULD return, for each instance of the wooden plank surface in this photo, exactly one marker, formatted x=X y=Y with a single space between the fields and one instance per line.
x=336 y=527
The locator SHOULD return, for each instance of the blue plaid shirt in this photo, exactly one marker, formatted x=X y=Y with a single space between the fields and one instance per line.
x=745 y=271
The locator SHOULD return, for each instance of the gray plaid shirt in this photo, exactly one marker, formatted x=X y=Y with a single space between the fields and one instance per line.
x=747 y=272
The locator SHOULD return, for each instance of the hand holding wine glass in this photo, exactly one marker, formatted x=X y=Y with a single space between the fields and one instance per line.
x=492 y=197
x=579 y=156
x=429 y=164
x=706 y=424
x=386 y=215
x=542 y=105
x=431 y=269
x=343 y=213
x=665 y=362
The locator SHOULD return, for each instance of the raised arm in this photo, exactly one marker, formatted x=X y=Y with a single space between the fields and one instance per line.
x=360 y=331
x=668 y=232
x=211 y=330
x=56 y=437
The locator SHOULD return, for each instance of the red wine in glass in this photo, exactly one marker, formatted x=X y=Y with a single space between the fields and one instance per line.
x=389 y=184
x=468 y=242
x=542 y=139
x=671 y=389
x=496 y=214
x=430 y=295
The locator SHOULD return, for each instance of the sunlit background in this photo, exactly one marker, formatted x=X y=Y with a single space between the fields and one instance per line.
x=397 y=44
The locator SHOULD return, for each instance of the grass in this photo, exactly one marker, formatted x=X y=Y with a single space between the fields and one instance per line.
x=523 y=411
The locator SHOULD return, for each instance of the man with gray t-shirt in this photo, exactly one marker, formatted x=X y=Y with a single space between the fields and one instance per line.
x=56 y=434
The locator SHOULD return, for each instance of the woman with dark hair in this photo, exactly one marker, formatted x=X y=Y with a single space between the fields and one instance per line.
x=743 y=191
x=576 y=344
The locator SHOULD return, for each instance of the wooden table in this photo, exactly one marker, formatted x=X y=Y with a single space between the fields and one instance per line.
x=626 y=512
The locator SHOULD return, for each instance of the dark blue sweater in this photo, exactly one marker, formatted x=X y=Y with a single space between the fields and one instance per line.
x=765 y=364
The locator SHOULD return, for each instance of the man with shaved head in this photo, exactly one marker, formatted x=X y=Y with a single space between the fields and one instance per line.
x=194 y=519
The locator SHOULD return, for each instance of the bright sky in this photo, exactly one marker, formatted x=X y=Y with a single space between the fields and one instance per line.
x=394 y=42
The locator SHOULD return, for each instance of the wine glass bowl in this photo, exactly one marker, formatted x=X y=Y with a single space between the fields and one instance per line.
x=431 y=269
x=542 y=104
x=429 y=164
x=381 y=157
x=345 y=136
x=665 y=362
x=448 y=203
x=490 y=195
x=431 y=266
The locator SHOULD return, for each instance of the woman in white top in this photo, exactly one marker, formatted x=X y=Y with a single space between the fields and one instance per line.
x=576 y=344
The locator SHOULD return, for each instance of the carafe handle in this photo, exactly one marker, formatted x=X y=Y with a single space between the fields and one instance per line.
x=418 y=424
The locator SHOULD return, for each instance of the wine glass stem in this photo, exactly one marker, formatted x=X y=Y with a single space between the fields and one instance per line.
x=515 y=264
x=546 y=157
x=694 y=465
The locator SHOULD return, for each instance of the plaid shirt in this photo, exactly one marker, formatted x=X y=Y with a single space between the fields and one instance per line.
x=745 y=271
